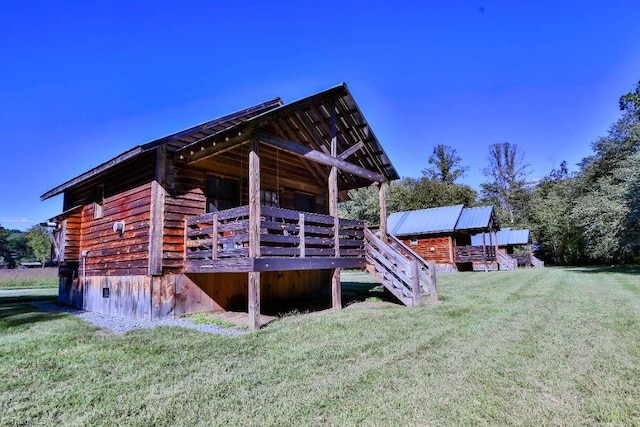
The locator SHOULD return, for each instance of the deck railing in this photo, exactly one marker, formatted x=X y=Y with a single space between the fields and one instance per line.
x=475 y=254
x=283 y=233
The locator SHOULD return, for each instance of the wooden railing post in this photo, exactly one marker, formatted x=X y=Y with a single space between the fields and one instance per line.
x=301 y=235
x=415 y=282
x=214 y=237
x=433 y=285
x=254 y=235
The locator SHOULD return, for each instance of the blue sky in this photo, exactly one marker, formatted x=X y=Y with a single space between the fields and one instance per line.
x=81 y=82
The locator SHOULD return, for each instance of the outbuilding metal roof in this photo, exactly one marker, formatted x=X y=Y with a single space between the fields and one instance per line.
x=505 y=237
x=475 y=218
x=424 y=221
x=445 y=219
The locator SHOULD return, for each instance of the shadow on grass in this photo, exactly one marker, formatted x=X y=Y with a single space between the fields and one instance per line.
x=353 y=292
x=17 y=311
x=619 y=269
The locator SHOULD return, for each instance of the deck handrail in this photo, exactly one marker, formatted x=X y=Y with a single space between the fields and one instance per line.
x=283 y=233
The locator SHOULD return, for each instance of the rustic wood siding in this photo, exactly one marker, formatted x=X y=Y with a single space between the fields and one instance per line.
x=185 y=197
x=442 y=248
x=112 y=254
x=71 y=226
x=129 y=296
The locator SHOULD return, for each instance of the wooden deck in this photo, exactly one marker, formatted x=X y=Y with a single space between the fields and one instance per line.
x=474 y=254
x=288 y=240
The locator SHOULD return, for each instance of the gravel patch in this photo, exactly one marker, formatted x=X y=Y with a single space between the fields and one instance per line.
x=120 y=326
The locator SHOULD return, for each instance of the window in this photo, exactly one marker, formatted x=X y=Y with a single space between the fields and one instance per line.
x=98 y=205
x=414 y=242
x=269 y=198
x=222 y=193
x=304 y=202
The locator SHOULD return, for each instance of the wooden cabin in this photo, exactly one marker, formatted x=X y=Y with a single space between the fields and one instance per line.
x=226 y=215
x=443 y=235
x=515 y=243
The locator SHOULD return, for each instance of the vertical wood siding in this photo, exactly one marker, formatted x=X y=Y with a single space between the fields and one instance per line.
x=442 y=248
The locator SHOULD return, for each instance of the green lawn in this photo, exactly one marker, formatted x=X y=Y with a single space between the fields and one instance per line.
x=532 y=347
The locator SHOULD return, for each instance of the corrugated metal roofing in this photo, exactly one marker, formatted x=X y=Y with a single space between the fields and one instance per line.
x=474 y=218
x=424 y=221
x=505 y=237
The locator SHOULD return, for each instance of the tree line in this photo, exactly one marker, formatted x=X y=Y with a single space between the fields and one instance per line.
x=587 y=216
x=24 y=246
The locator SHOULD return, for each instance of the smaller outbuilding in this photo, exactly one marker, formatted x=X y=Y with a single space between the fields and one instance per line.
x=443 y=235
x=516 y=243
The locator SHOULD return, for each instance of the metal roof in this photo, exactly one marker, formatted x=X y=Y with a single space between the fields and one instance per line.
x=445 y=219
x=198 y=131
x=306 y=122
x=424 y=221
x=475 y=218
x=505 y=237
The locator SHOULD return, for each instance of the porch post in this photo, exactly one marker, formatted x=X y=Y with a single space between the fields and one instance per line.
x=382 y=196
x=336 y=288
x=495 y=243
x=254 y=235
x=484 y=251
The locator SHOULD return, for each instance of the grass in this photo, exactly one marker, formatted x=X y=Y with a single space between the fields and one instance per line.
x=208 y=319
x=29 y=278
x=532 y=347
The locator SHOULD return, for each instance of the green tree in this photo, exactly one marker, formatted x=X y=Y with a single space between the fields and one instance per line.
x=20 y=250
x=507 y=187
x=550 y=216
x=406 y=194
x=39 y=241
x=6 y=260
x=445 y=165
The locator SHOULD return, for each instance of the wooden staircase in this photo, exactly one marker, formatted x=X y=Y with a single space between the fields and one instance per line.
x=403 y=272
x=506 y=262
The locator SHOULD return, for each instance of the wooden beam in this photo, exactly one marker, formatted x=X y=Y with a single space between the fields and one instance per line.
x=156 y=222
x=254 y=300
x=211 y=145
x=319 y=157
x=336 y=288
x=349 y=151
x=382 y=198
x=254 y=200
x=254 y=234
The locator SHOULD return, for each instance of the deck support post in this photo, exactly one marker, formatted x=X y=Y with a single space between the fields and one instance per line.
x=493 y=241
x=336 y=288
x=254 y=235
x=484 y=251
x=382 y=198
